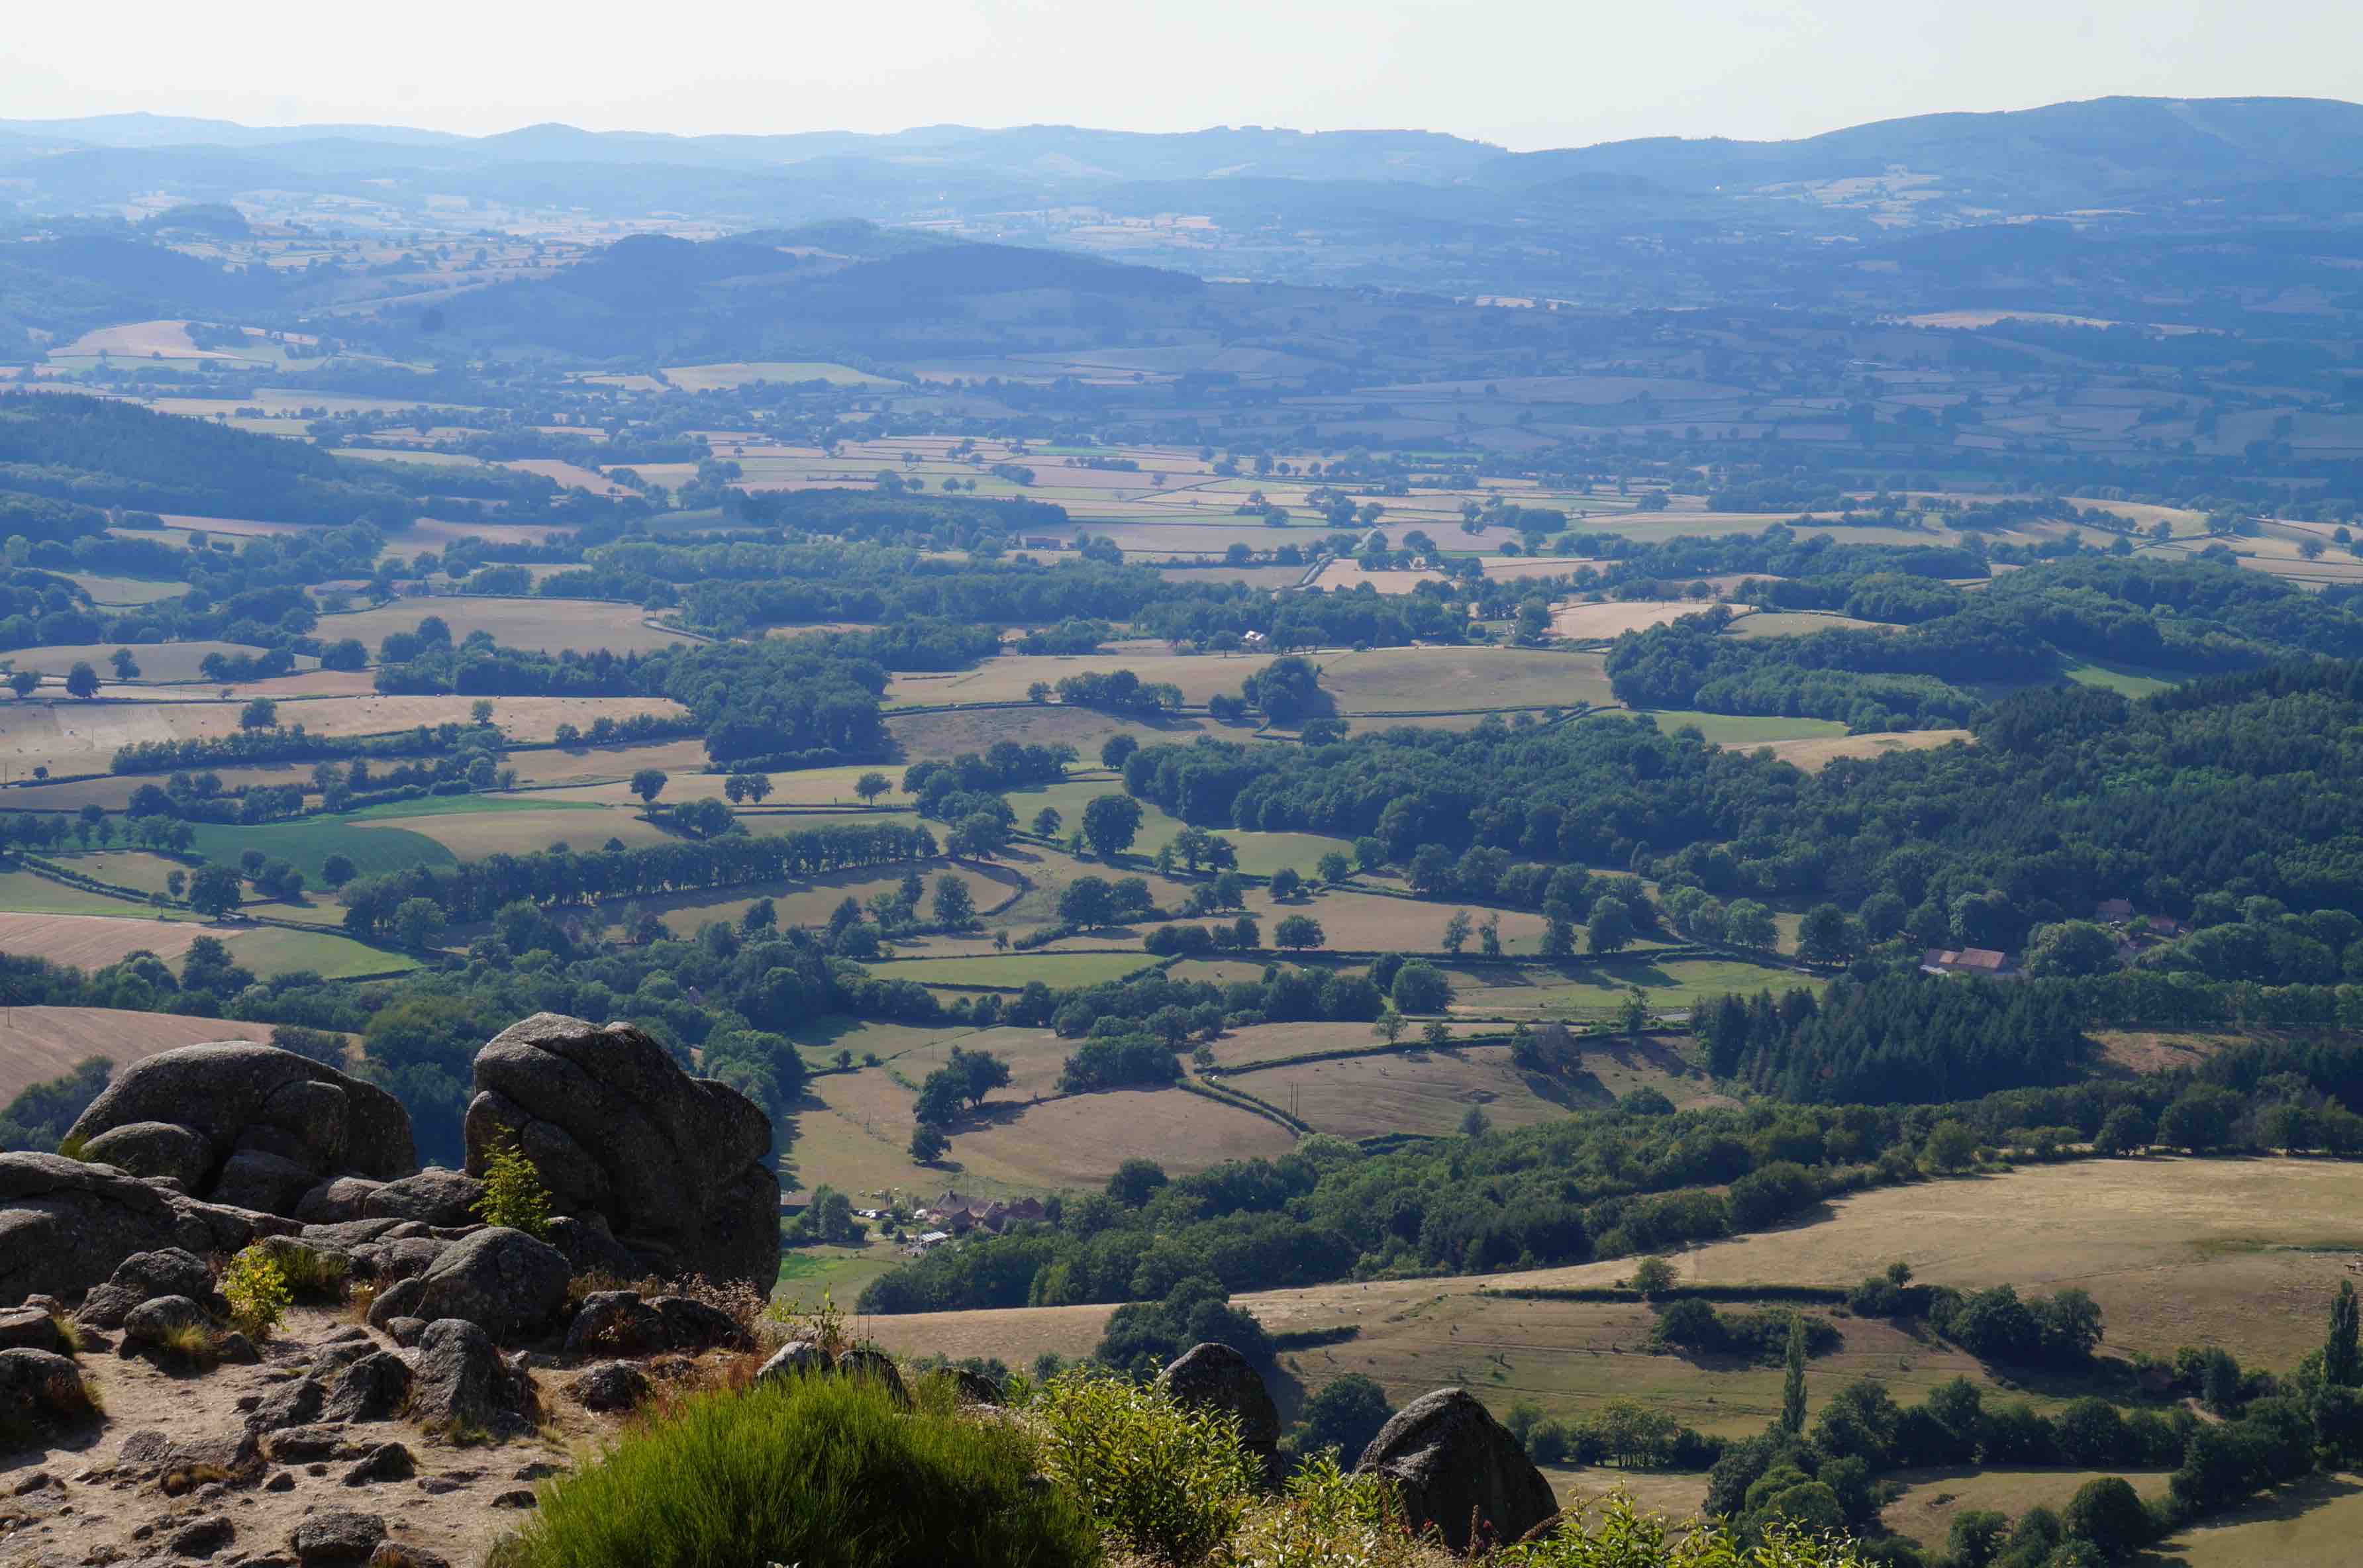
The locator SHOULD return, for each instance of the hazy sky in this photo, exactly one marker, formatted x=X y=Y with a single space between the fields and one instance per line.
x=1524 y=72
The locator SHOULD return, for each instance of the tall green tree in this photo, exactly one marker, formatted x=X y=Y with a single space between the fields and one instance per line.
x=1792 y=1386
x=2339 y=1363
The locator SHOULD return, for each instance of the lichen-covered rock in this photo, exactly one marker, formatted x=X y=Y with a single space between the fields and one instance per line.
x=797 y=1358
x=673 y=1163
x=875 y=1367
x=1452 y=1461
x=268 y=1125
x=39 y=1386
x=65 y=1225
x=610 y=1386
x=336 y=1201
x=386 y=1462
x=434 y=1196
x=591 y=1248
x=502 y=1280
x=164 y=1150
x=152 y=1325
x=336 y=1538
x=30 y=1328
x=694 y=1325
x=617 y=1322
x=371 y=1389
x=1216 y=1377
x=143 y=1277
x=460 y=1383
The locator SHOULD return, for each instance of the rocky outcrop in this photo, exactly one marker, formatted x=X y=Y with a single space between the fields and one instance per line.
x=610 y=1386
x=64 y=1225
x=1215 y=1376
x=673 y=1163
x=621 y=1322
x=434 y=1196
x=32 y=1328
x=145 y=1276
x=501 y=1280
x=460 y=1384
x=247 y=1125
x=1452 y=1462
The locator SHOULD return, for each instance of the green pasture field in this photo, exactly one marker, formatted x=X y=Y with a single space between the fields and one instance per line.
x=1054 y=969
x=307 y=843
x=1596 y=989
x=21 y=892
x=106 y=589
x=1747 y=729
x=270 y=950
x=2129 y=680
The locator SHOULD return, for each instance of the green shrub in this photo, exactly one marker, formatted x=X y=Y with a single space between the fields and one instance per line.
x=1168 y=1481
x=1327 y=1519
x=257 y=1290
x=514 y=1194
x=824 y=1473
x=1613 y=1533
x=310 y=1274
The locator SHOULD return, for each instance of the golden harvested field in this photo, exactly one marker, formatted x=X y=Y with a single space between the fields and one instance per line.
x=1814 y=754
x=2163 y=1050
x=945 y=736
x=566 y=475
x=1408 y=1090
x=82 y=736
x=1614 y=619
x=158 y=661
x=2311 y=1523
x=89 y=941
x=705 y=378
x=1005 y=678
x=43 y=1043
x=593 y=764
x=1796 y=624
x=1240 y=1048
x=2175 y=1251
x=795 y=902
x=474 y=836
x=549 y=624
x=1384 y=680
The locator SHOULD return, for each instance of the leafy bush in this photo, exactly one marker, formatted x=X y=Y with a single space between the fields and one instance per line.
x=1327 y=1519
x=821 y=1472
x=1166 y=1480
x=257 y=1290
x=514 y=1195
x=1614 y=1533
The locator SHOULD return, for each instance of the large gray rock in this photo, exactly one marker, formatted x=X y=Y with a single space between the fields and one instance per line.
x=144 y=1276
x=164 y=1150
x=434 y=1196
x=461 y=1383
x=502 y=1280
x=337 y=1538
x=1218 y=1377
x=32 y=1328
x=337 y=1202
x=39 y=1386
x=152 y=1325
x=264 y=1126
x=674 y=1163
x=373 y=1389
x=65 y=1225
x=1452 y=1461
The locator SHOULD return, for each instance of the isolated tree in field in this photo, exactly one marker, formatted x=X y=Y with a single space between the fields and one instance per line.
x=1088 y=902
x=126 y=667
x=954 y=906
x=734 y=787
x=81 y=681
x=1435 y=1034
x=480 y=712
x=1135 y=1181
x=1389 y=1027
x=1297 y=931
x=214 y=891
x=1111 y=822
x=1489 y=936
x=24 y=683
x=1792 y=1385
x=1748 y=923
x=263 y=714
x=418 y=922
x=1558 y=937
x=870 y=786
x=1420 y=987
x=2124 y=1130
x=2341 y=1363
x=649 y=783
x=1951 y=1146
x=928 y=1143
x=1611 y=927
x=1046 y=823
x=177 y=883
x=1286 y=884
x=1456 y=932
x=1336 y=867
x=1116 y=750
x=1822 y=935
